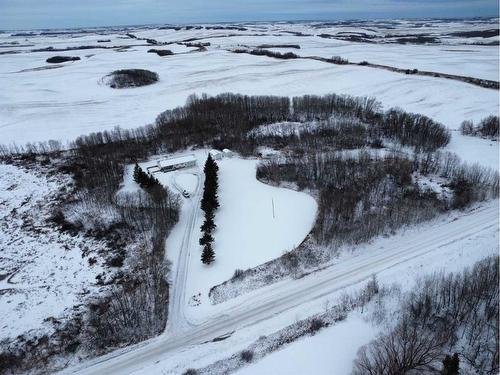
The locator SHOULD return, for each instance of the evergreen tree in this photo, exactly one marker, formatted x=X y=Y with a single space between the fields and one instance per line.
x=209 y=203
x=209 y=224
x=206 y=238
x=137 y=173
x=451 y=365
x=208 y=255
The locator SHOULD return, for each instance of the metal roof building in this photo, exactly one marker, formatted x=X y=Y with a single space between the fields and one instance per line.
x=171 y=164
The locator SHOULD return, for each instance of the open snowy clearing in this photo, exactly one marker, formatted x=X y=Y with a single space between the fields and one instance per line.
x=255 y=223
x=477 y=150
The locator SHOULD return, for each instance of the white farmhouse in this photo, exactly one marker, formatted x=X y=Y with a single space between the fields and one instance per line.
x=179 y=162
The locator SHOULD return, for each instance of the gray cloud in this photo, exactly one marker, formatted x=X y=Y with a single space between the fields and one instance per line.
x=15 y=14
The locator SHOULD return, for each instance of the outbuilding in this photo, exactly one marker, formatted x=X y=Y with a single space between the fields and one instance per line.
x=227 y=153
x=216 y=154
x=179 y=162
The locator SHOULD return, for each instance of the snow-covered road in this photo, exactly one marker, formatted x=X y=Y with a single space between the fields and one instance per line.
x=255 y=307
x=176 y=317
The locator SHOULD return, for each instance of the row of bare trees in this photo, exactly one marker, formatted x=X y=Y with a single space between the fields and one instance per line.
x=487 y=127
x=444 y=314
x=225 y=120
x=364 y=194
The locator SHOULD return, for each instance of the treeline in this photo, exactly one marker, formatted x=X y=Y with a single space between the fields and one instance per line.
x=415 y=130
x=487 y=127
x=409 y=129
x=448 y=322
x=61 y=59
x=209 y=204
x=124 y=78
x=339 y=60
x=263 y=46
x=225 y=120
x=31 y=148
x=364 y=195
x=265 y=52
x=145 y=180
x=136 y=306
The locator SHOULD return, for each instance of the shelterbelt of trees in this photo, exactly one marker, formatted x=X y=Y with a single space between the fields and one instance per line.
x=227 y=118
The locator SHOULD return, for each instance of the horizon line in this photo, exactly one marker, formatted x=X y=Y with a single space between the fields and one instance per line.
x=496 y=16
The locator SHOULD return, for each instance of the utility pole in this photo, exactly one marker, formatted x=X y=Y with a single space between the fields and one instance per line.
x=272 y=202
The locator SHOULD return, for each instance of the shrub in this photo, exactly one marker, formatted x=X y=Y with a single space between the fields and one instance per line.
x=238 y=274
x=488 y=127
x=246 y=355
x=61 y=59
x=161 y=52
x=116 y=260
x=131 y=78
x=296 y=46
x=467 y=127
x=463 y=192
x=57 y=217
x=338 y=60
x=315 y=325
x=277 y=55
x=190 y=371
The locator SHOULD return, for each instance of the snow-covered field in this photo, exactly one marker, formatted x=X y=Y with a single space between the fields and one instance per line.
x=68 y=101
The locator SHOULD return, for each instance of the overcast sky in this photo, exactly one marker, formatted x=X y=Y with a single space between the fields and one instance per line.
x=23 y=14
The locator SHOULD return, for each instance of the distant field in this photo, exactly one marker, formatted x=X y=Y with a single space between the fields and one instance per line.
x=63 y=103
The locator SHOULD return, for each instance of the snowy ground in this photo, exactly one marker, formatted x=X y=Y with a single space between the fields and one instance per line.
x=248 y=232
x=43 y=273
x=477 y=150
x=325 y=353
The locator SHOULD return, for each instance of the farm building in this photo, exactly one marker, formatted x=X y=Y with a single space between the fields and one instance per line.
x=171 y=164
x=227 y=153
x=216 y=154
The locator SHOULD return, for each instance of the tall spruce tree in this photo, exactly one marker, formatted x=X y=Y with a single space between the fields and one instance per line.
x=208 y=255
x=137 y=173
x=209 y=203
